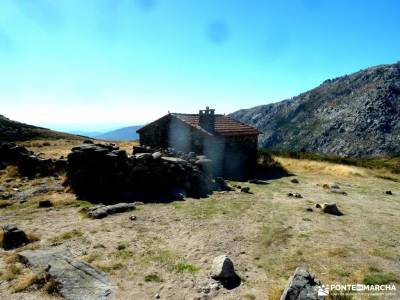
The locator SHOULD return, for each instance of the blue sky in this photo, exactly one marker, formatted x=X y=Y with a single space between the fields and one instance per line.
x=102 y=64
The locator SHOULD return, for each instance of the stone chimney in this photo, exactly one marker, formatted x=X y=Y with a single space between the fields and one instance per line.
x=207 y=119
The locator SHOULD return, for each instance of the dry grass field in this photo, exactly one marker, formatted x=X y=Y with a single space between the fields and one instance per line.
x=169 y=248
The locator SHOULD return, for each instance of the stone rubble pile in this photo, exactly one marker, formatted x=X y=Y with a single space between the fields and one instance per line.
x=204 y=163
x=28 y=163
x=105 y=174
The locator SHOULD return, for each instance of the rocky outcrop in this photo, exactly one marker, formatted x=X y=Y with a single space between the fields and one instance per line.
x=301 y=286
x=73 y=279
x=356 y=115
x=105 y=174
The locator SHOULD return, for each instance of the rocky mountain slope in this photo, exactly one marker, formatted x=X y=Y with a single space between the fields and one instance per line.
x=16 y=131
x=122 y=134
x=355 y=115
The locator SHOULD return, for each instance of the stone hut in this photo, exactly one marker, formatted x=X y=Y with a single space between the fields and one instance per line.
x=231 y=145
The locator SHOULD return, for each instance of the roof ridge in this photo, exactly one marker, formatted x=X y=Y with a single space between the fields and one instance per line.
x=184 y=114
x=224 y=125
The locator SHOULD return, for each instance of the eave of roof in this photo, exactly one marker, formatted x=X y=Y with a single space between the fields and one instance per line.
x=224 y=125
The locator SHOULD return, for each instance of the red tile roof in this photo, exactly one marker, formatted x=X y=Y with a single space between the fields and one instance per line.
x=224 y=125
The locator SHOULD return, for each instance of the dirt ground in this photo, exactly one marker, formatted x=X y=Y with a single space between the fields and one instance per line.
x=169 y=248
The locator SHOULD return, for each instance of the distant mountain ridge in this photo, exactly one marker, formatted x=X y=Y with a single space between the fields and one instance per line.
x=355 y=115
x=91 y=134
x=121 y=134
x=15 y=131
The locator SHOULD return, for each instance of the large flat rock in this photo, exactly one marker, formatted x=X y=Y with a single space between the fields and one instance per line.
x=102 y=211
x=74 y=279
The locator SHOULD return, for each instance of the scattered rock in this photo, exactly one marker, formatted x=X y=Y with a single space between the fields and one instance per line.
x=223 y=270
x=301 y=286
x=73 y=279
x=13 y=237
x=295 y=195
x=309 y=209
x=141 y=149
x=132 y=218
x=221 y=185
x=140 y=156
x=338 y=191
x=245 y=189
x=157 y=296
x=176 y=160
x=45 y=203
x=330 y=208
x=294 y=180
x=334 y=186
x=5 y=196
x=388 y=193
x=102 y=211
x=121 y=247
x=256 y=181
x=156 y=155
x=40 y=189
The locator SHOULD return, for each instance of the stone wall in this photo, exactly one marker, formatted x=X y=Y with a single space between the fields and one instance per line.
x=103 y=173
x=155 y=134
x=240 y=156
x=29 y=164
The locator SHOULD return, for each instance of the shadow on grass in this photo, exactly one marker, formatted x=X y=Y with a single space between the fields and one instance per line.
x=231 y=283
x=268 y=168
